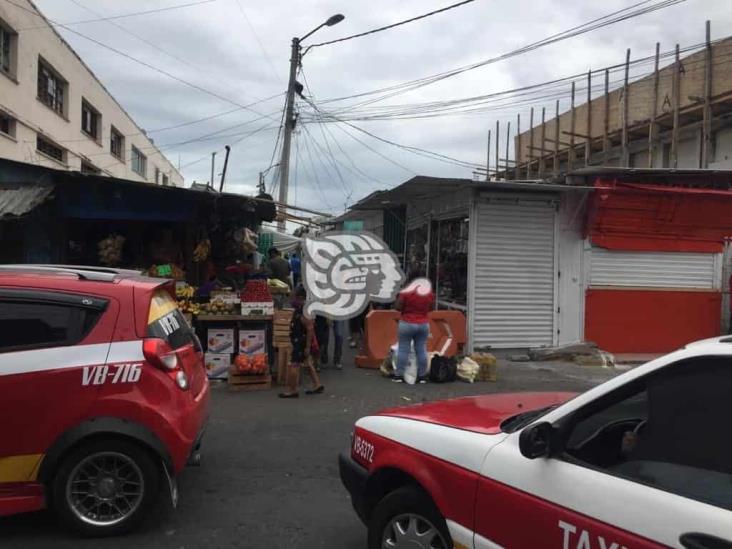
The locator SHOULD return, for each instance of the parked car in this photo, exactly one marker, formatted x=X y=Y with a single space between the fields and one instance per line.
x=103 y=394
x=643 y=460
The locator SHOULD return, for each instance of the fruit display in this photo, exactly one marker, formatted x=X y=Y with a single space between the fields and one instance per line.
x=202 y=251
x=219 y=307
x=256 y=291
x=251 y=364
x=189 y=307
x=185 y=292
x=110 y=249
x=276 y=286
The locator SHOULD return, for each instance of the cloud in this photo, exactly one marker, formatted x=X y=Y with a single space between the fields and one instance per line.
x=213 y=46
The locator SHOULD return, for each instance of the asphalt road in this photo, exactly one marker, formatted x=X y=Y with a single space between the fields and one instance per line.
x=269 y=476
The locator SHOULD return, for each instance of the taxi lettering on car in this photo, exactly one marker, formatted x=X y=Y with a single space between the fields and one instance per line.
x=641 y=461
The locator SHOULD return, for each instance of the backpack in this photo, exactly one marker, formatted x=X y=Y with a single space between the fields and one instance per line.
x=443 y=369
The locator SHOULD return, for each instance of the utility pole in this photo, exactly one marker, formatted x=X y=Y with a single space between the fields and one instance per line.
x=289 y=127
x=213 y=164
x=289 y=115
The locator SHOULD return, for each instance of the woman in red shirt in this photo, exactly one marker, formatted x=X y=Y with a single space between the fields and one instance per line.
x=415 y=302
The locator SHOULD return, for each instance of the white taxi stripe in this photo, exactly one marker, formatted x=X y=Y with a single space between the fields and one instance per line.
x=77 y=356
x=465 y=449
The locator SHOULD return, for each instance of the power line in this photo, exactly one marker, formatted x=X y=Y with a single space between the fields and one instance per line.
x=137 y=36
x=256 y=37
x=373 y=31
x=606 y=20
x=138 y=61
x=122 y=16
x=318 y=186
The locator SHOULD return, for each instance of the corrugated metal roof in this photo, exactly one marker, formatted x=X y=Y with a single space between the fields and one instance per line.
x=18 y=201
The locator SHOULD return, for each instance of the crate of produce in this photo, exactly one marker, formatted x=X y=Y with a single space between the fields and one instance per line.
x=256 y=291
x=253 y=308
x=251 y=365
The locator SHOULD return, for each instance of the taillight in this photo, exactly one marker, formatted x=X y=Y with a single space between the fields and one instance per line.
x=158 y=353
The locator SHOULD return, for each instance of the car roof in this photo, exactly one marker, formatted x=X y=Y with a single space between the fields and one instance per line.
x=81 y=272
x=75 y=277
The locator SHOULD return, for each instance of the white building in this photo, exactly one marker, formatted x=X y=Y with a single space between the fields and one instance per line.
x=56 y=113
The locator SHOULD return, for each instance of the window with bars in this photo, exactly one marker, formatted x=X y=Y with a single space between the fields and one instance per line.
x=48 y=148
x=157 y=176
x=166 y=181
x=51 y=88
x=117 y=144
x=138 y=162
x=90 y=120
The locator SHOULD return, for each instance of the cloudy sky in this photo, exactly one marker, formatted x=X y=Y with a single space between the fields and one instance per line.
x=239 y=50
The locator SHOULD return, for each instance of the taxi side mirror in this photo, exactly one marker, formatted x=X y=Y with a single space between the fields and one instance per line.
x=537 y=440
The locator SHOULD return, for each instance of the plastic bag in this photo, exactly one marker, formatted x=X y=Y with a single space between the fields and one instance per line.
x=468 y=370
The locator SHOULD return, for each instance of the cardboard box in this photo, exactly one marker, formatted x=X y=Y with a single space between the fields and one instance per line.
x=257 y=308
x=220 y=340
x=252 y=342
x=217 y=365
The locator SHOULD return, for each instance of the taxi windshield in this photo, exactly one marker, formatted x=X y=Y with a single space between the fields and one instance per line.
x=519 y=421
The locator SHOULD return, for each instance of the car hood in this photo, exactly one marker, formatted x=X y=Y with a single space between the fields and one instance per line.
x=481 y=414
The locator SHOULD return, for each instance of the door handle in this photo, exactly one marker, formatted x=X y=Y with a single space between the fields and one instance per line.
x=695 y=540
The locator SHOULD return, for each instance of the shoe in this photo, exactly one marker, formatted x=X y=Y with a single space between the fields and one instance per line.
x=422 y=379
x=289 y=395
x=315 y=391
x=397 y=379
x=338 y=366
x=352 y=344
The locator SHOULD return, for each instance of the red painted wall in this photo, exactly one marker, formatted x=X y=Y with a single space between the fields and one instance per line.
x=647 y=321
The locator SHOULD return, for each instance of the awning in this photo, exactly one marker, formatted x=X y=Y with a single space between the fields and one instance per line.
x=285 y=243
x=18 y=201
x=651 y=217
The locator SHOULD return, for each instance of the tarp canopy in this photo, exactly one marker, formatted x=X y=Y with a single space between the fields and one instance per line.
x=651 y=217
x=285 y=243
x=17 y=201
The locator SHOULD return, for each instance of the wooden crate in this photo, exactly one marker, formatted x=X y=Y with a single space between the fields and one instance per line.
x=239 y=382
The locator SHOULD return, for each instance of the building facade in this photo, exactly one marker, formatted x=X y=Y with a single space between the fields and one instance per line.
x=637 y=261
x=54 y=111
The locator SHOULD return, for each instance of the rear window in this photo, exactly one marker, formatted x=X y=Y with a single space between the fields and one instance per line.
x=165 y=321
x=32 y=325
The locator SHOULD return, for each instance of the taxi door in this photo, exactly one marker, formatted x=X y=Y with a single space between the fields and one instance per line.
x=641 y=467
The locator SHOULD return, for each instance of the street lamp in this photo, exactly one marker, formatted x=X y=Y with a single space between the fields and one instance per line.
x=289 y=111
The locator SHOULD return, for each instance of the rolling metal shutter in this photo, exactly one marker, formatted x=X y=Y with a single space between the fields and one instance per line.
x=654 y=269
x=513 y=296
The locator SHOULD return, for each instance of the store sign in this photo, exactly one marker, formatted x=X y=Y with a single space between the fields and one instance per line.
x=343 y=272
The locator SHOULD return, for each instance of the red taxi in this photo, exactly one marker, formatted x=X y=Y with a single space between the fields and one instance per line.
x=103 y=394
x=641 y=461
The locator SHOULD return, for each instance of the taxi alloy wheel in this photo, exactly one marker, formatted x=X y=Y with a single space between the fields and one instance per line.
x=409 y=531
x=105 y=487
x=407 y=519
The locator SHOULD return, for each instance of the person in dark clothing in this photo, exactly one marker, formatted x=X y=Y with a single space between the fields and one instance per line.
x=279 y=267
x=322 y=333
x=302 y=338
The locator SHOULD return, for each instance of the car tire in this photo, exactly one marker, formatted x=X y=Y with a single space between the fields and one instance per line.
x=415 y=513
x=105 y=487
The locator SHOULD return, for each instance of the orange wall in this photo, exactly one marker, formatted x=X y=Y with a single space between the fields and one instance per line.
x=646 y=321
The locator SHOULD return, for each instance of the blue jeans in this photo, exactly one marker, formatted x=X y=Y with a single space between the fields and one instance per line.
x=408 y=333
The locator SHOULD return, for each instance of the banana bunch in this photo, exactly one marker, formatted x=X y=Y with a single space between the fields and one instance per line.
x=185 y=292
x=202 y=251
